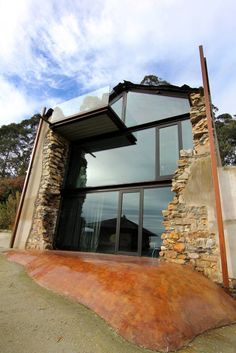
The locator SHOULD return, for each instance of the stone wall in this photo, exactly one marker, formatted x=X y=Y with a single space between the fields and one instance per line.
x=55 y=153
x=191 y=232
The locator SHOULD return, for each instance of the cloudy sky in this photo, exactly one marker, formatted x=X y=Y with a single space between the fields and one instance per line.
x=54 y=50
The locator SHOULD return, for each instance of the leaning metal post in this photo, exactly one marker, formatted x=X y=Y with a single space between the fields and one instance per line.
x=214 y=168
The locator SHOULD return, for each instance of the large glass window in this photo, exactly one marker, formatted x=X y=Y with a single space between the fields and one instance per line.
x=169 y=149
x=88 y=222
x=128 y=164
x=155 y=201
x=154 y=154
x=129 y=222
x=187 y=135
x=143 y=108
x=98 y=222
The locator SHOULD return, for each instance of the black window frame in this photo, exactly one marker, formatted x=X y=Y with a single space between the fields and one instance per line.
x=158 y=178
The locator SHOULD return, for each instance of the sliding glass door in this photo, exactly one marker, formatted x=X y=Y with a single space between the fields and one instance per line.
x=129 y=223
x=115 y=222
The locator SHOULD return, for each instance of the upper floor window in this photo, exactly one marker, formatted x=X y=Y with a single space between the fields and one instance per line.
x=154 y=155
x=136 y=108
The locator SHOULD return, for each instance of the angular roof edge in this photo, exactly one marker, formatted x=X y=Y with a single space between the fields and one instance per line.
x=127 y=85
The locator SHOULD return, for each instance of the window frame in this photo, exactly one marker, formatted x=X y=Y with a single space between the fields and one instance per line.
x=158 y=178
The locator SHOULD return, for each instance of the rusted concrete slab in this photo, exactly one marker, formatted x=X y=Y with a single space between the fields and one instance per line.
x=156 y=305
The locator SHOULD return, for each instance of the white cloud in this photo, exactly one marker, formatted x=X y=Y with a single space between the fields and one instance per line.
x=13 y=103
x=16 y=105
x=106 y=41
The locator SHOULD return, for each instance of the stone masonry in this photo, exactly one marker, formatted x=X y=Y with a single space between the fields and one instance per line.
x=188 y=237
x=55 y=152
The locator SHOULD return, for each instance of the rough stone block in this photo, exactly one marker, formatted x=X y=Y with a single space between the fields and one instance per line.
x=171 y=254
x=179 y=247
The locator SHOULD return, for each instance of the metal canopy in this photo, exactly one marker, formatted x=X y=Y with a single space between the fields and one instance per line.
x=93 y=124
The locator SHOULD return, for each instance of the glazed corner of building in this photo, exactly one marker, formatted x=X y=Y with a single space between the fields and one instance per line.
x=190 y=235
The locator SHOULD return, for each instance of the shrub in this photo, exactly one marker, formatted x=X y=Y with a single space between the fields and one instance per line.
x=8 y=211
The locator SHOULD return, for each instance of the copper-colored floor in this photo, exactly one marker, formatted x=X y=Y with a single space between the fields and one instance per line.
x=156 y=305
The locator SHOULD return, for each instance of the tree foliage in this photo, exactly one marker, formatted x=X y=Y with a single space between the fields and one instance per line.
x=10 y=185
x=8 y=211
x=152 y=80
x=16 y=141
x=226 y=133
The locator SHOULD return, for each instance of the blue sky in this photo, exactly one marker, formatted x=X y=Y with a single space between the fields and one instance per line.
x=55 y=50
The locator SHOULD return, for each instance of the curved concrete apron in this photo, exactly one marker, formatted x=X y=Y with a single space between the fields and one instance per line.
x=159 y=306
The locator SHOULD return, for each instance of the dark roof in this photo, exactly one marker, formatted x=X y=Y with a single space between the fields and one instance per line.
x=129 y=86
x=124 y=223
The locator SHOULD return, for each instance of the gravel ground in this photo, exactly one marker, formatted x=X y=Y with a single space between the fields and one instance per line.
x=35 y=320
x=4 y=239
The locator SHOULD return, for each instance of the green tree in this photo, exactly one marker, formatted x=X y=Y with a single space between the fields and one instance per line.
x=8 y=211
x=152 y=80
x=16 y=141
x=10 y=186
x=226 y=133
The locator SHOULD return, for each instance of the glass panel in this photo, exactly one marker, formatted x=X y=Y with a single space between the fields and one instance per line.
x=79 y=105
x=169 y=149
x=187 y=134
x=70 y=223
x=117 y=107
x=129 y=222
x=143 y=108
x=78 y=167
x=88 y=222
x=116 y=166
x=155 y=200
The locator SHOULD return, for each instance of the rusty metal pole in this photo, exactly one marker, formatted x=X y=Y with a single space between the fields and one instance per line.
x=19 y=209
x=214 y=169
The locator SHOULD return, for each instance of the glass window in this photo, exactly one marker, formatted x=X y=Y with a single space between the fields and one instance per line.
x=169 y=149
x=129 y=222
x=117 y=106
x=155 y=201
x=134 y=163
x=187 y=135
x=88 y=222
x=143 y=108
x=128 y=164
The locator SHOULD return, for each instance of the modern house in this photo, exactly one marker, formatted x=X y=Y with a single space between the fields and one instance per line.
x=128 y=172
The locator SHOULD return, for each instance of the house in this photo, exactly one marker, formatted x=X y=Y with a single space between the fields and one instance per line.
x=128 y=172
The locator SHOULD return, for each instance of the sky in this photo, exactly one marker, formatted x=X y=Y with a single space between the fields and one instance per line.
x=55 y=50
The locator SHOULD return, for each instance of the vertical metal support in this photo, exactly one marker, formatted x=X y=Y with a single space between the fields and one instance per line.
x=214 y=168
x=19 y=209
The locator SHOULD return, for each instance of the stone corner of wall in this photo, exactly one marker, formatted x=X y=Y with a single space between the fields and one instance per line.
x=187 y=238
x=55 y=153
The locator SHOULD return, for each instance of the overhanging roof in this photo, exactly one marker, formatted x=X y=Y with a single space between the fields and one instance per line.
x=160 y=89
x=92 y=124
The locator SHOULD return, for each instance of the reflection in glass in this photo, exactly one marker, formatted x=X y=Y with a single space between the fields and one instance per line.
x=129 y=222
x=70 y=223
x=117 y=106
x=143 y=108
x=187 y=135
x=169 y=149
x=155 y=200
x=77 y=167
x=88 y=222
x=120 y=165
